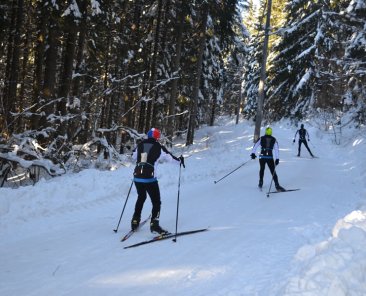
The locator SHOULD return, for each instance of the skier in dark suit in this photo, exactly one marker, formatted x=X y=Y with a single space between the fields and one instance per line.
x=303 y=134
x=269 y=155
x=147 y=154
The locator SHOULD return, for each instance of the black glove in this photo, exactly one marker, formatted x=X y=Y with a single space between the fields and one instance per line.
x=309 y=140
x=293 y=141
x=181 y=159
x=253 y=156
x=277 y=162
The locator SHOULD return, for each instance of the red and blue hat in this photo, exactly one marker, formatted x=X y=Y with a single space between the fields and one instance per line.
x=154 y=133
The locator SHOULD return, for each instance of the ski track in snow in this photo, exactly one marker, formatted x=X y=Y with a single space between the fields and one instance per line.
x=56 y=237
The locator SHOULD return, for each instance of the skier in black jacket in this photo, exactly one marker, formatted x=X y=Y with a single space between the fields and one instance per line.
x=147 y=154
x=269 y=155
x=303 y=134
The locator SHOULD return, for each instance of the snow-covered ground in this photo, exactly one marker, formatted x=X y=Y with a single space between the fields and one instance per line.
x=57 y=238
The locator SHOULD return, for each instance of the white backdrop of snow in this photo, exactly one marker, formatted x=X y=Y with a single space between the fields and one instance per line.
x=56 y=237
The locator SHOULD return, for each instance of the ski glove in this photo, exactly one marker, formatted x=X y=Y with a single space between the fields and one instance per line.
x=181 y=159
x=293 y=141
x=309 y=140
x=277 y=162
x=253 y=156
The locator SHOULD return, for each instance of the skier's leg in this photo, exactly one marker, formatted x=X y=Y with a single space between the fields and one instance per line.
x=271 y=165
x=307 y=147
x=141 y=192
x=262 y=166
x=154 y=193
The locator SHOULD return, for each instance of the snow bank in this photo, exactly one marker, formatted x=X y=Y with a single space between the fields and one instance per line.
x=335 y=267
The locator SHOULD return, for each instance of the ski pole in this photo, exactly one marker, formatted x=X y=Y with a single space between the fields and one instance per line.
x=274 y=172
x=120 y=218
x=176 y=219
x=231 y=172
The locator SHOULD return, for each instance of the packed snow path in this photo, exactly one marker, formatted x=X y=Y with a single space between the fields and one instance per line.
x=57 y=237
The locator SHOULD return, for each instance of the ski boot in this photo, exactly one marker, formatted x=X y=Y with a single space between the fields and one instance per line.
x=135 y=223
x=260 y=184
x=280 y=188
x=155 y=228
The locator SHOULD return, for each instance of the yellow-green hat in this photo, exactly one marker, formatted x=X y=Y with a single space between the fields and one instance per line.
x=269 y=131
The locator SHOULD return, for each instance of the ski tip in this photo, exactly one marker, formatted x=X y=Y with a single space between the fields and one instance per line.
x=125 y=237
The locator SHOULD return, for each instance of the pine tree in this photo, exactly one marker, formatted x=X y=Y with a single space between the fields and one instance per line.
x=354 y=15
x=253 y=59
x=293 y=67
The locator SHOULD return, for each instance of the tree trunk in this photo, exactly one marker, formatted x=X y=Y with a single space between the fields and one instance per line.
x=151 y=92
x=39 y=60
x=259 y=116
x=66 y=76
x=80 y=49
x=133 y=68
x=175 y=71
x=11 y=95
x=213 y=109
x=142 y=114
x=120 y=69
x=106 y=97
x=76 y=127
x=196 y=87
x=160 y=106
x=24 y=71
x=10 y=45
x=238 y=104
x=48 y=91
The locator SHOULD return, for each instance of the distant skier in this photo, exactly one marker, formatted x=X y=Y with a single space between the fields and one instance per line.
x=147 y=154
x=269 y=149
x=303 y=134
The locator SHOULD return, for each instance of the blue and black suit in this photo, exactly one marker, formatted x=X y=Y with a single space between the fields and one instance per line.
x=269 y=153
x=147 y=154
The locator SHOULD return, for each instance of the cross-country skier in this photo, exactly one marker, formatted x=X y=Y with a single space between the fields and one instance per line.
x=147 y=154
x=303 y=134
x=269 y=149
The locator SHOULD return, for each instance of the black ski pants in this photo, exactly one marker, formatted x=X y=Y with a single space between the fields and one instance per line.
x=306 y=145
x=271 y=165
x=142 y=190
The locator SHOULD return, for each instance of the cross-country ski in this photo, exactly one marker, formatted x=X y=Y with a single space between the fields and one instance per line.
x=131 y=232
x=164 y=237
x=282 y=191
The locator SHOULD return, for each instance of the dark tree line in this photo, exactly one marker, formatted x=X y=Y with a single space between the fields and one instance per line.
x=77 y=69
